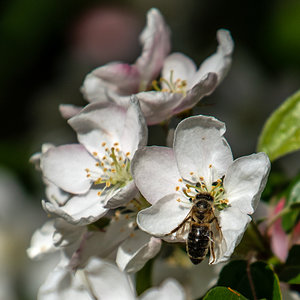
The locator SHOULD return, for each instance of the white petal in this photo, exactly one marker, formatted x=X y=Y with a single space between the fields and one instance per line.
x=219 y=62
x=233 y=225
x=102 y=243
x=155 y=172
x=67 y=234
x=61 y=284
x=55 y=194
x=158 y=106
x=41 y=242
x=65 y=167
x=200 y=148
x=202 y=88
x=98 y=123
x=136 y=250
x=69 y=110
x=170 y=289
x=122 y=195
x=79 y=210
x=181 y=66
x=163 y=216
x=245 y=181
x=155 y=39
x=107 y=281
x=135 y=131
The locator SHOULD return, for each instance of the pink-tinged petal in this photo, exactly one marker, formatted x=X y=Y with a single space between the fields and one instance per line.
x=79 y=210
x=180 y=66
x=69 y=110
x=201 y=89
x=155 y=172
x=170 y=289
x=99 y=123
x=94 y=89
x=65 y=167
x=219 y=62
x=233 y=224
x=102 y=243
x=156 y=45
x=245 y=180
x=135 y=131
x=279 y=239
x=121 y=78
x=136 y=250
x=122 y=196
x=163 y=216
x=158 y=106
x=201 y=150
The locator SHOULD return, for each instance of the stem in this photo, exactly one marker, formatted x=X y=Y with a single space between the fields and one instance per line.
x=250 y=280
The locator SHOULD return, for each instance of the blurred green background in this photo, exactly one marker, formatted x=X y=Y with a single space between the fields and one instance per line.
x=47 y=47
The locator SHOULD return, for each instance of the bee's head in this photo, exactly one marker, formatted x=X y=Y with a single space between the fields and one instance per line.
x=203 y=201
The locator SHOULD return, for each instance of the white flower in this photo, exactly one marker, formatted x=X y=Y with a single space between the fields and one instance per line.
x=180 y=87
x=101 y=280
x=200 y=162
x=95 y=173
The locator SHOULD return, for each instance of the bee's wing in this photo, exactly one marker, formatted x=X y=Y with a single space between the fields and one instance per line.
x=179 y=234
x=217 y=245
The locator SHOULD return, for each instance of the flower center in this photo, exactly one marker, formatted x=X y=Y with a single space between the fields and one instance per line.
x=113 y=168
x=216 y=191
x=171 y=86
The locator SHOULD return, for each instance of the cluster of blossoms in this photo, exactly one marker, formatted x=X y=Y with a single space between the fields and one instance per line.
x=113 y=200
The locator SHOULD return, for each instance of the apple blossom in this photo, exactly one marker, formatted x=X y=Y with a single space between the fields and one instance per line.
x=200 y=162
x=101 y=280
x=180 y=87
x=95 y=173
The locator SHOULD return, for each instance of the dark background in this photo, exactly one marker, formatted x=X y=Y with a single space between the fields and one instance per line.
x=47 y=47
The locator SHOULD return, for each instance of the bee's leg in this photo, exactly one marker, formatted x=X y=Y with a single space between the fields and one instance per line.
x=211 y=247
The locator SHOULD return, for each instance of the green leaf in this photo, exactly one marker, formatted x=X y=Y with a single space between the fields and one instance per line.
x=290 y=219
x=291 y=271
x=281 y=132
x=258 y=279
x=220 y=292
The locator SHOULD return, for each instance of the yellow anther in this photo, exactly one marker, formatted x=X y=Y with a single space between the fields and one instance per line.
x=103 y=144
x=180 y=179
x=113 y=170
x=210 y=166
x=178 y=200
x=99 y=193
x=191 y=173
x=116 y=144
x=201 y=178
x=106 y=149
x=97 y=164
x=88 y=175
x=105 y=170
x=123 y=166
x=132 y=234
x=177 y=188
x=95 y=153
x=128 y=153
x=87 y=170
x=104 y=157
x=107 y=183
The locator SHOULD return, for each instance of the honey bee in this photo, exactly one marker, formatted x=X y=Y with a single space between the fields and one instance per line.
x=204 y=232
